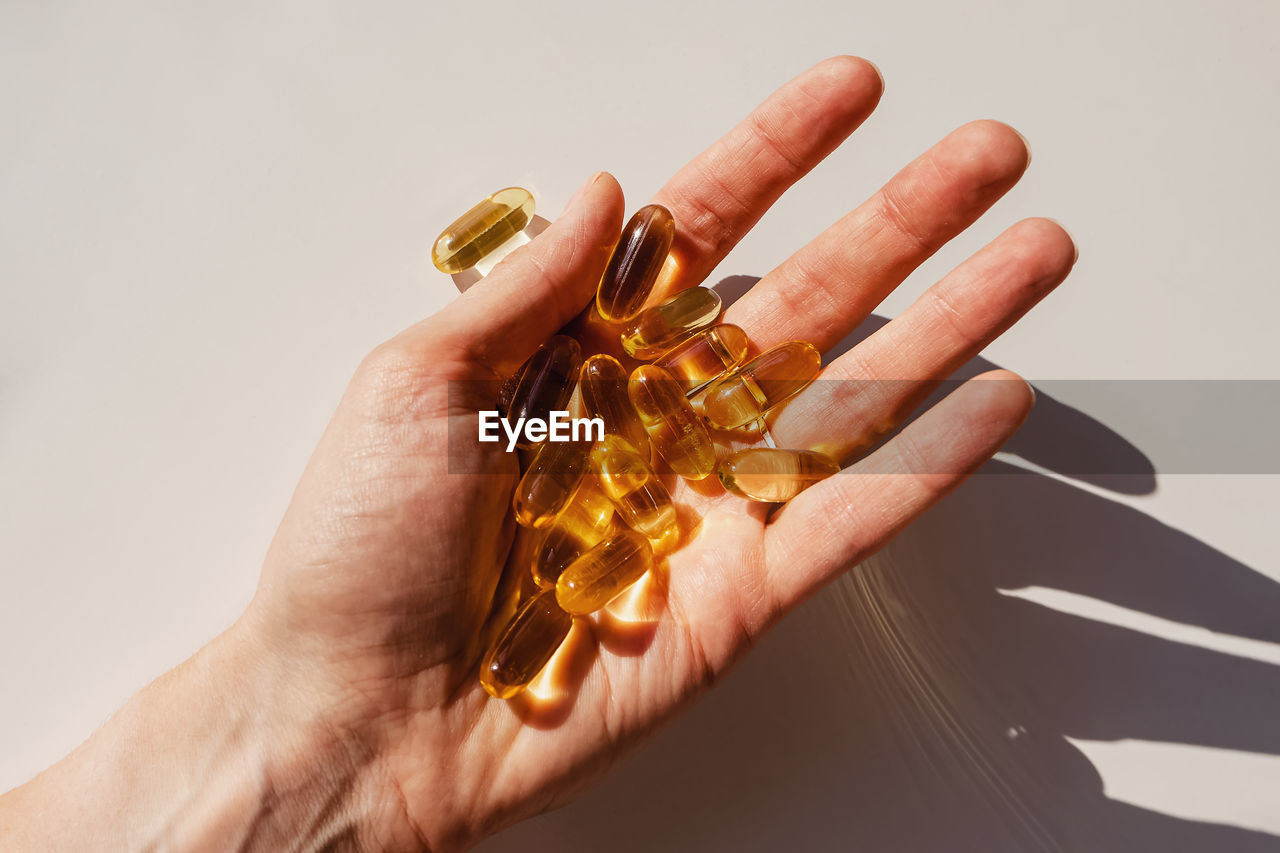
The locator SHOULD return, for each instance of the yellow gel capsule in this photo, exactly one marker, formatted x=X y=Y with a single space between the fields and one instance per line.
x=549 y=483
x=774 y=476
x=527 y=643
x=642 y=501
x=636 y=261
x=662 y=326
x=546 y=382
x=705 y=357
x=770 y=378
x=675 y=429
x=603 y=573
x=585 y=522
x=604 y=395
x=482 y=229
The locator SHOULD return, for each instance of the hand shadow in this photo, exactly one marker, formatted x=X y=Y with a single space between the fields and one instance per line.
x=912 y=706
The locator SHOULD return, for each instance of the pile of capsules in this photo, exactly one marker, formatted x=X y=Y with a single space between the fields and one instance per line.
x=598 y=510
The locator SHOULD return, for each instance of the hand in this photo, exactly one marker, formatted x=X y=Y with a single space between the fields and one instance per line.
x=377 y=593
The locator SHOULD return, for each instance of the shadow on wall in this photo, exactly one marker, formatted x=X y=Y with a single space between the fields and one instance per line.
x=912 y=707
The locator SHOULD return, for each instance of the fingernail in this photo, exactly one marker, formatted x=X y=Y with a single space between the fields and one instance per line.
x=1032 y=388
x=581 y=191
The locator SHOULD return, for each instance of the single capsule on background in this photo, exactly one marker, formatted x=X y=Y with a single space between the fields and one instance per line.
x=705 y=357
x=642 y=501
x=482 y=229
x=549 y=482
x=774 y=376
x=546 y=382
x=674 y=428
x=636 y=261
x=662 y=326
x=588 y=519
x=604 y=395
x=603 y=573
x=526 y=644
x=775 y=476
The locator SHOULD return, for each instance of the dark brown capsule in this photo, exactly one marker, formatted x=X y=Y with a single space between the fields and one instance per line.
x=635 y=263
x=546 y=382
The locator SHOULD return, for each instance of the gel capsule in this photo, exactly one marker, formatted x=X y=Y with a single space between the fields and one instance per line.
x=775 y=476
x=705 y=357
x=604 y=395
x=642 y=501
x=636 y=261
x=527 y=643
x=603 y=573
x=546 y=382
x=585 y=522
x=676 y=431
x=482 y=229
x=662 y=326
x=770 y=378
x=549 y=482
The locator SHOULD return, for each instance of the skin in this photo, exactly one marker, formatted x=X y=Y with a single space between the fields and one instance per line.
x=343 y=708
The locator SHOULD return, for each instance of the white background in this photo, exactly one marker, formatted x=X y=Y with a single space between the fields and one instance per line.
x=209 y=212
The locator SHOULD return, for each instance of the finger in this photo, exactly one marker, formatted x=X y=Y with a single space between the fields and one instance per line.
x=533 y=292
x=721 y=193
x=830 y=285
x=844 y=519
x=870 y=390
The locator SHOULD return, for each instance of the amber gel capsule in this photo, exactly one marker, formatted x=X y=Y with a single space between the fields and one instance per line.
x=528 y=642
x=549 y=482
x=662 y=326
x=675 y=429
x=705 y=357
x=642 y=501
x=585 y=522
x=774 y=376
x=603 y=573
x=482 y=229
x=546 y=382
x=775 y=476
x=636 y=261
x=604 y=395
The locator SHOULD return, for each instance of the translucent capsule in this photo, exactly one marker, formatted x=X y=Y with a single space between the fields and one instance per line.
x=546 y=381
x=642 y=501
x=528 y=642
x=482 y=229
x=662 y=326
x=636 y=261
x=675 y=429
x=775 y=476
x=549 y=482
x=705 y=357
x=768 y=379
x=603 y=573
x=604 y=395
x=587 y=520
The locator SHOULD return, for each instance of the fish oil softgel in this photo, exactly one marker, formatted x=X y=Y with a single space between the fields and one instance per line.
x=526 y=644
x=641 y=499
x=588 y=519
x=676 y=431
x=771 y=378
x=705 y=357
x=635 y=263
x=482 y=229
x=603 y=573
x=772 y=475
x=546 y=382
x=549 y=483
x=603 y=381
x=660 y=327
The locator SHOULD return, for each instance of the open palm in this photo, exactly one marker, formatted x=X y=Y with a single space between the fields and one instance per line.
x=380 y=589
